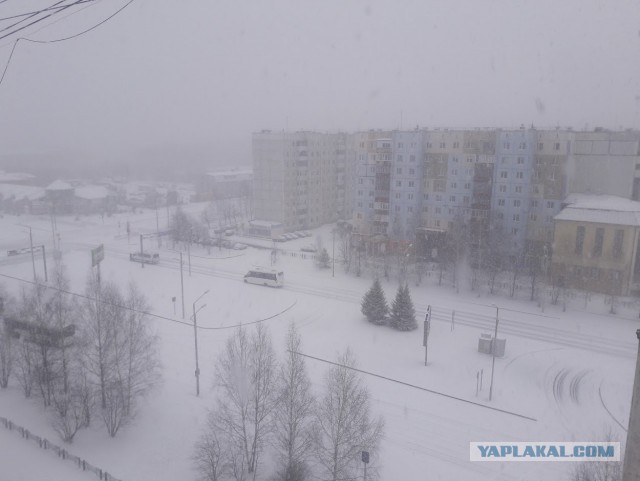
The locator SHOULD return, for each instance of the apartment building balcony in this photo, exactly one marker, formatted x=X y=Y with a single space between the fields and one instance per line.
x=383 y=168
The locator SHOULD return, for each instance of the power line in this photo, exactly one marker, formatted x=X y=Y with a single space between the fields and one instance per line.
x=151 y=314
x=504 y=411
x=15 y=44
x=64 y=7
x=53 y=7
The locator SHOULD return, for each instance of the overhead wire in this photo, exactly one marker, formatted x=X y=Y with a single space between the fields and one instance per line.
x=53 y=7
x=64 y=7
x=368 y=373
x=148 y=313
x=15 y=44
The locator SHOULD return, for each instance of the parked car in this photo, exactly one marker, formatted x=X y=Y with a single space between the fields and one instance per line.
x=279 y=239
x=239 y=246
x=307 y=233
x=309 y=248
x=229 y=232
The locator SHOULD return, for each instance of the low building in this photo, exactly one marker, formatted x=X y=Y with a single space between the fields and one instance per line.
x=595 y=245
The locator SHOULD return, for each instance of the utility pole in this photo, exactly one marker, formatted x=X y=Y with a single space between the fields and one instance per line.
x=33 y=258
x=141 y=253
x=44 y=260
x=195 y=337
x=182 y=284
x=493 y=352
x=333 y=253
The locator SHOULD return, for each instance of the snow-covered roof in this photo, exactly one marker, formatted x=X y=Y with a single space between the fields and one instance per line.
x=90 y=192
x=601 y=209
x=14 y=176
x=20 y=192
x=231 y=175
x=59 y=185
x=264 y=223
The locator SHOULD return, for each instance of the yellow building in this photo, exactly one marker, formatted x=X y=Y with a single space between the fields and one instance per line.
x=595 y=245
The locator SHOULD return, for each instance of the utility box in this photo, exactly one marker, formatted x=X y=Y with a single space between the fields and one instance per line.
x=487 y=345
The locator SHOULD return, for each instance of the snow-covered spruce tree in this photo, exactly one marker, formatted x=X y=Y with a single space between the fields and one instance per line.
x=403 y=315
x=374 y=304
x=323 y=261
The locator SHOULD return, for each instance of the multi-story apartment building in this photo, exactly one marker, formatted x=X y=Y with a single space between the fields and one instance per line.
x=512 y=180
x=300 y=178
x=604 y=162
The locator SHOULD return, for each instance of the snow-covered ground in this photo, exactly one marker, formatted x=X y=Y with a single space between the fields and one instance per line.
x=565 y=376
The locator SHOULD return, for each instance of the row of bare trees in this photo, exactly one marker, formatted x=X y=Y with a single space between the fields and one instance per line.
x=83 y=356
x=266 y=408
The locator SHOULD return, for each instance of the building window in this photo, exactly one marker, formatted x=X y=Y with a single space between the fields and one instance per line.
x=398 y=183
x=556 y=146
x=595 y=273
x=410 y=208
x=516 y=217
x=540 y=145
x=410 y=196
x=370 y=205
x=504 y=174
x=501 y=202
x=516 y=203
x=506 y=145
x=360 y=181
x=520 y=160
x=617 y=243
x=411 y=183
x=579 y=240
x=519 y=189
x=399 y=157
x=397 y=208
x=452 y=198
x=412 y=158
x=359 y=193
x=550 y=204
x=456 y=145
x=514 y=231
x=397 y=195
x=599 y=240
x=412 y=171
x=519 y=175
x=443 y=145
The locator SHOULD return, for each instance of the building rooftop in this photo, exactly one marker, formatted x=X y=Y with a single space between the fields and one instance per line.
x=600 y=209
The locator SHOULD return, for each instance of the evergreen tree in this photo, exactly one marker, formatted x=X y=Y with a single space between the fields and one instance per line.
x=403 y=315
x=324 y=261
x=374 y=305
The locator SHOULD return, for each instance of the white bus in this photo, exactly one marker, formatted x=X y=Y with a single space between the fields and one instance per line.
x=266 y=277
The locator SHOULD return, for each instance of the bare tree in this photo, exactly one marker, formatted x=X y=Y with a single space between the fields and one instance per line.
x=119 y=351
x=293 y=415
x=6 y=357
x=344 y=424
x=246 y=374
x=211 y=456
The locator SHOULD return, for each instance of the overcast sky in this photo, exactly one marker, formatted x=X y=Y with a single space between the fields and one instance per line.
x=204 y=74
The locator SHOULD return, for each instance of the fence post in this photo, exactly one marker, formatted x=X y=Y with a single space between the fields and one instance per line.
x=100 y=472
x=84 y=465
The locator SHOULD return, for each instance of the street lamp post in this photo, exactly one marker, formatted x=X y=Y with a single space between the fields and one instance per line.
x=195 y=338
x=493 y=352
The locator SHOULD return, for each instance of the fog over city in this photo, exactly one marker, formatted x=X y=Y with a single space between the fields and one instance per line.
x=191 y=80
x=331 y=240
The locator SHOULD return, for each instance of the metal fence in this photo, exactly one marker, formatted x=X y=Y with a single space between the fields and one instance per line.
x=61 y=452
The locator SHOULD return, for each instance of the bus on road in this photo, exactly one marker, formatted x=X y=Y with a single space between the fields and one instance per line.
x=266 y=277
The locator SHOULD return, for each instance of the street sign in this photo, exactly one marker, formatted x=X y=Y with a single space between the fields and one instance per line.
x=365 y=457
x=97 y=255
x=427 y=326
